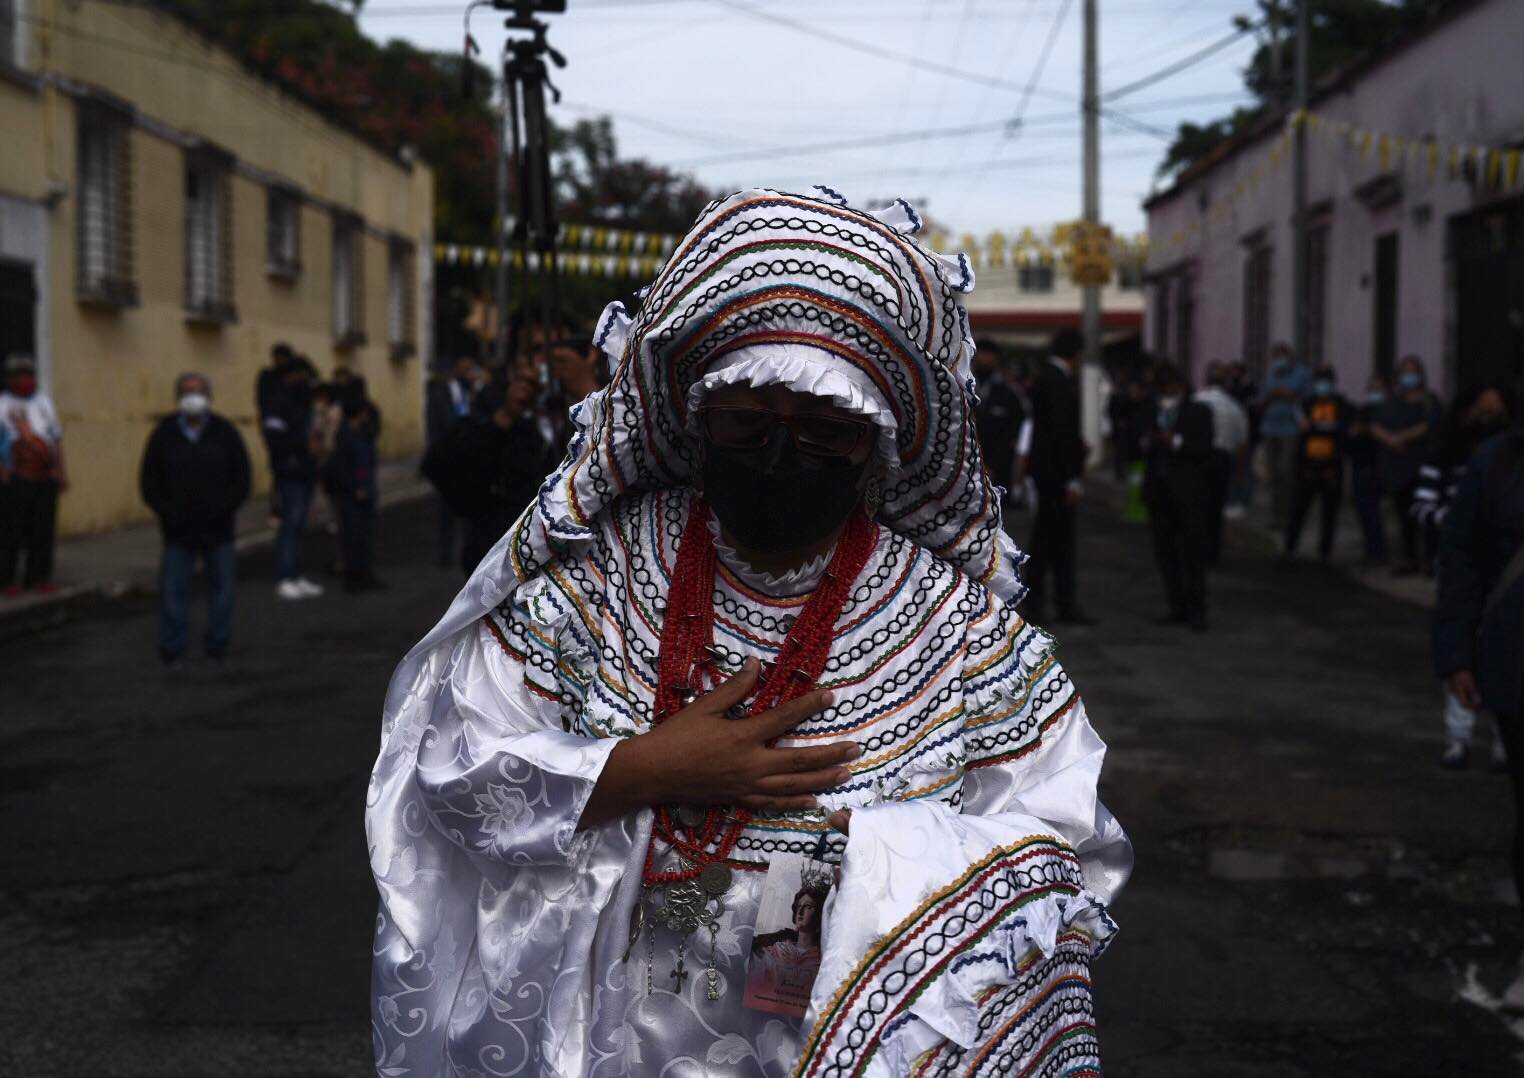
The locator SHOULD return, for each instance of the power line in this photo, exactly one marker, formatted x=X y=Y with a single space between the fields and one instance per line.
x=1003 y=164
x=1183 y=63
x=1026 y=95
x=870 y=49
x=989 y=91
x=892 y=138
x=1142 y=128
x=907 y=85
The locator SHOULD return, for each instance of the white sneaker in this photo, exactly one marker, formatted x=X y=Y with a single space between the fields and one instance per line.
x=311 y=589
x=290 y=590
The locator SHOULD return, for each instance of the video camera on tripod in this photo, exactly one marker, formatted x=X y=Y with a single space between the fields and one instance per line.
x=526 y=76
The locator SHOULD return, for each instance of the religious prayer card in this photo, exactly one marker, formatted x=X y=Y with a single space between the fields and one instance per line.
x=785 y=949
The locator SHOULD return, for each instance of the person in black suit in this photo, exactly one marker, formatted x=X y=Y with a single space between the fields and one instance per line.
x=449 y=399
x=1176 y=490
x=488 y=467
x=1056 y=465
x=999 y=417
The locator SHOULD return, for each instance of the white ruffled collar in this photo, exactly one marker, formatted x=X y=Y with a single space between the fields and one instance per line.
x=791 y=584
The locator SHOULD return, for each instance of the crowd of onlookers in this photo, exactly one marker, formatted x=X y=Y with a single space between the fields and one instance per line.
x=491 y=437
x=1282 y=446
x=1448 y=478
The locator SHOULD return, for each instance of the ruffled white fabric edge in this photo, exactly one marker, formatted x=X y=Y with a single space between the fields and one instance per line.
x=796 y=581
x=802 y=369
x=949 y=1008
x=898 y=853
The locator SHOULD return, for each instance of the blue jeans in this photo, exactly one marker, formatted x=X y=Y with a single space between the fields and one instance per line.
x=295 y=496
x=175 y=573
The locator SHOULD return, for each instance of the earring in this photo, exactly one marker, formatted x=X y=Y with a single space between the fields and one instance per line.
x=873 y=497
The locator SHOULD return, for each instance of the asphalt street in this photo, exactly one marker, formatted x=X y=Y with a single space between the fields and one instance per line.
x=186 y=891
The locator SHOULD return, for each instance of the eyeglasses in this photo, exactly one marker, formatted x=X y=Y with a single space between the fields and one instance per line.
x=737 y=427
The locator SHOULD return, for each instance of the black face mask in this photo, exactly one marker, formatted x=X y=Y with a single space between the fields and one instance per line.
x=776 y=499
x=1480 y=430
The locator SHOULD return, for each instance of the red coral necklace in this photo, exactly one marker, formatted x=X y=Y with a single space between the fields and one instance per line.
x=704 y=838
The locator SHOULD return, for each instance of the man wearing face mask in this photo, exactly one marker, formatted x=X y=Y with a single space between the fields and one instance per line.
x=194 y=476
x=1280 y=425
x=1479 y=414
x=1404 y=426
x=1478 y=632
x=1320 y=463
x=34 y=478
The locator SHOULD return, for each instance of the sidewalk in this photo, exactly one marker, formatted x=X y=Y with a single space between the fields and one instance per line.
x=1258 y=531
x=110 y=565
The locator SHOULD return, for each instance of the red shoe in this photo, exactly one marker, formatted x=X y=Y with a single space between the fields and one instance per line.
x=10 y=591
x=47 y=587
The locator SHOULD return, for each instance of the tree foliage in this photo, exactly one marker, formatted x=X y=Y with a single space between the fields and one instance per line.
x=1341 y=32
x=596 y=185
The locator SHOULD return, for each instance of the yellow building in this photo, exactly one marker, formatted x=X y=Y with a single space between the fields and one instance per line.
x=164 y=208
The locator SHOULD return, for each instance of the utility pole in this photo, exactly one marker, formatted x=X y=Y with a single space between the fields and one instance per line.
x=1277 y=54
x=1299 y=190
x=504 y=252
x=1090 y=373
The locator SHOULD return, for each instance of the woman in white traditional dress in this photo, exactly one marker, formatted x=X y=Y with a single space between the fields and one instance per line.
x=763 y=612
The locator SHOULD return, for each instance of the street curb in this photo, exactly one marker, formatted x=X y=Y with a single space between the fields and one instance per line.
x=34 y=613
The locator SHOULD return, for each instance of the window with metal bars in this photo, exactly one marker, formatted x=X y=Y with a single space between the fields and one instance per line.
x=400 y=329
x=209 y=236
x=348 y=282
x=104 y=207
x=283 y=233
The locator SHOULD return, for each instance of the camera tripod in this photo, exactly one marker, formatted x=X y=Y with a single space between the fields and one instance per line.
x=526 y=76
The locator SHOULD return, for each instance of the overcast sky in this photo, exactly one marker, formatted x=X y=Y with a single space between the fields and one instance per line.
x=744 y=92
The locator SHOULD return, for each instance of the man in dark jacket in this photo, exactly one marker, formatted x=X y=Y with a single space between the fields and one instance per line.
x=448 y=400
x=195 y=475
x=1177 y=490
x=1479 y=616
x=489 y=468
x=350 y=478
x=1056 y=465
x=999 y=417
x=285 y=421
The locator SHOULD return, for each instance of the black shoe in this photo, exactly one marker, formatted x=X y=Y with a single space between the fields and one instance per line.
x=1172 y=618
x=216 y=654
x=1197 y=623
x=1075 y=617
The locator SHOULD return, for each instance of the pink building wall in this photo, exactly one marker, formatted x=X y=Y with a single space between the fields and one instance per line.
x=1462 y=83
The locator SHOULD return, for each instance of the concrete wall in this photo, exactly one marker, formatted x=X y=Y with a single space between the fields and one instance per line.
x=112 y=369
x=1463 y=83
